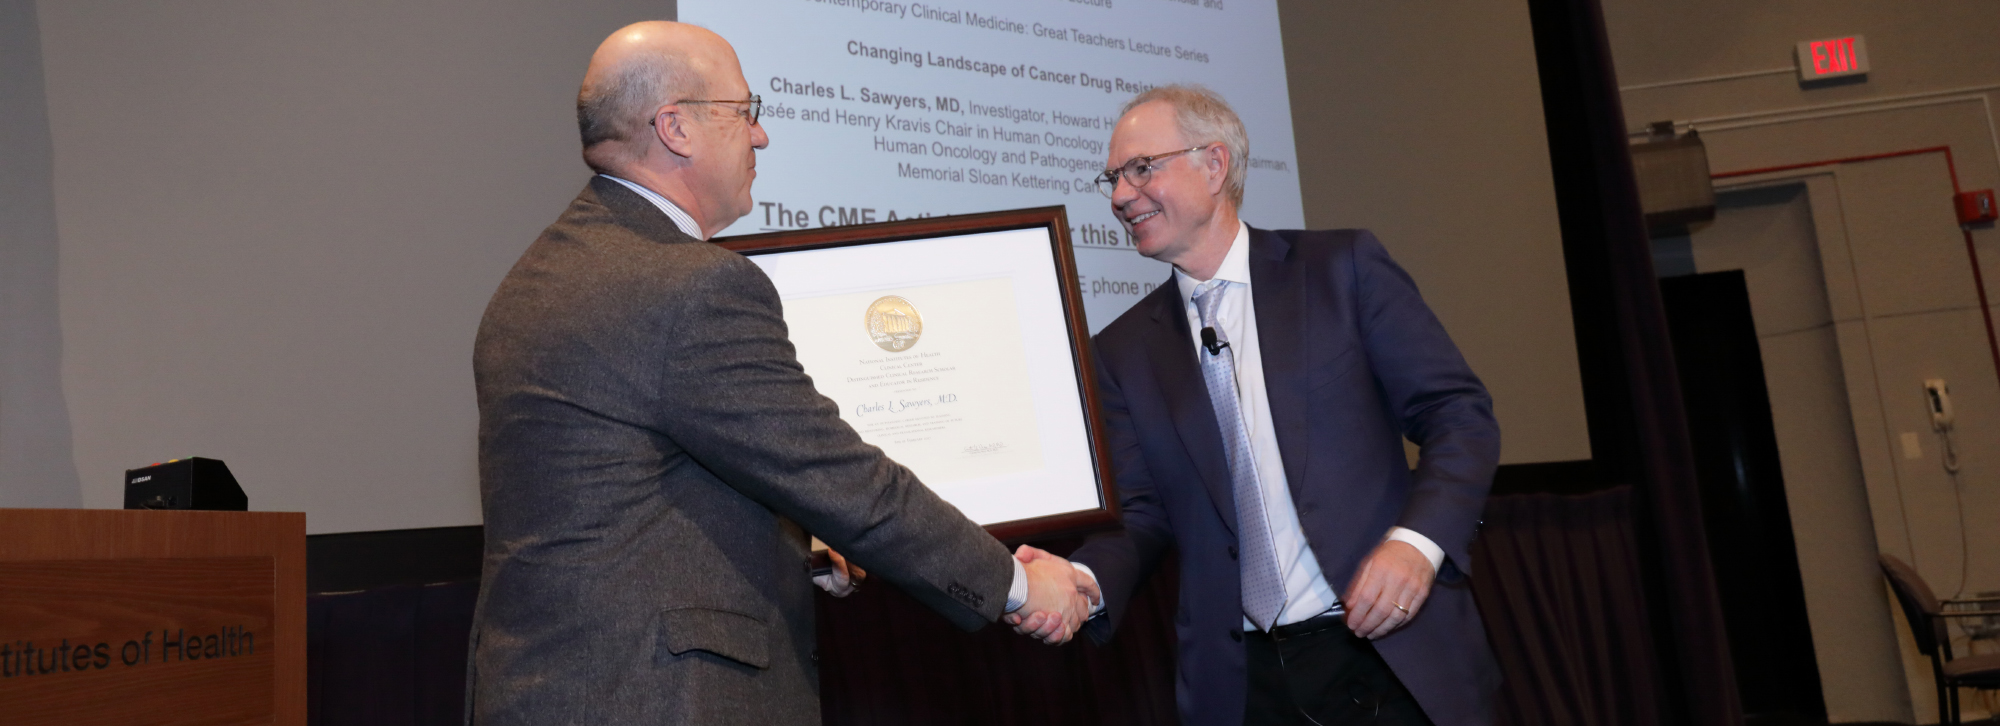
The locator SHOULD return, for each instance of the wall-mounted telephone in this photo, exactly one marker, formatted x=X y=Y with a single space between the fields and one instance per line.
x=1937 y=396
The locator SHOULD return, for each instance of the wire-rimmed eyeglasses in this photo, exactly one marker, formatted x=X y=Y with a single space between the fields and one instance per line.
x=1137 y=171
x=752 y=110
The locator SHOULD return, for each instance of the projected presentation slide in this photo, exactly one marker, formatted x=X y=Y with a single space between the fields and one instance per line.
x=887 y=110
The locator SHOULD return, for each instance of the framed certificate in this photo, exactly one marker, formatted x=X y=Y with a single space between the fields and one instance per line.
x=958 y=345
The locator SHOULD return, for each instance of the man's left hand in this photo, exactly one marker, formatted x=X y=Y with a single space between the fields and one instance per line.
x=844 y=580
x=1390 y=587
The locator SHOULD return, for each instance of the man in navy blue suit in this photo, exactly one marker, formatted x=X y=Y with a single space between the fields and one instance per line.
x=1256 y=406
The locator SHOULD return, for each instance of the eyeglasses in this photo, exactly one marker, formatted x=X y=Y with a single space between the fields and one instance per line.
x=1137 y=171
x=754 y=109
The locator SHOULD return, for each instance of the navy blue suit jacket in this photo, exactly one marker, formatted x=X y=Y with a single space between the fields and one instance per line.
x=1353 y=363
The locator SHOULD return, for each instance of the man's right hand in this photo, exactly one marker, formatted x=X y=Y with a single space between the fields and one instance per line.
x=1059 y=597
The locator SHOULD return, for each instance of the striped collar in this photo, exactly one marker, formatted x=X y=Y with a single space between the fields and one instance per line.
x=681 y=219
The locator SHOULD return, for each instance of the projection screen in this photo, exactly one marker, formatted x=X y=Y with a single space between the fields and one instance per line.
x=884 y=110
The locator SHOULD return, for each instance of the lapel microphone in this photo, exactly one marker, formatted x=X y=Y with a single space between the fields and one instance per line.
x=1208 y=341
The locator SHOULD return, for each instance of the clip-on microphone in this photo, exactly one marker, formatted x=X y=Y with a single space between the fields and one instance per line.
x=1208 y=341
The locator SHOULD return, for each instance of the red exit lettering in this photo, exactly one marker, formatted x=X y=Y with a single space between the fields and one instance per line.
x=1833 y=56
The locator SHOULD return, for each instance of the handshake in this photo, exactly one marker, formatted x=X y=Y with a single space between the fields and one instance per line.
x=1060 y=597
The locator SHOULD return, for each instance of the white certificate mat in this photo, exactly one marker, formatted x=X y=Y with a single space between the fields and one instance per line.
x=953 y=354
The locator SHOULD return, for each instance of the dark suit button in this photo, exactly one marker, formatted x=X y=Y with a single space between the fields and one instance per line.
x=815 y=655
x=1232 y=552
x=1236 y=634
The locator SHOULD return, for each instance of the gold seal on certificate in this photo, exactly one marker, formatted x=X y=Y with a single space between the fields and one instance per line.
x=893 y=323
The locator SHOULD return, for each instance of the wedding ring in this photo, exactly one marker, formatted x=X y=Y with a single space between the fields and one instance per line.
x=1399 y=606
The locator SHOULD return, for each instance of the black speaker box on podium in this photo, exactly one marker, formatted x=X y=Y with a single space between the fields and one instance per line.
x=191 y=483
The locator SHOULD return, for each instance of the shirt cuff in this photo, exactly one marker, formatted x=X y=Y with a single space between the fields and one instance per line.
x=1097 y=605
x=1423 y=544
x=1017 y=593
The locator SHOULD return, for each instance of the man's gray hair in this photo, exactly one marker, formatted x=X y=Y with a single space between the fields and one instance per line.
x=1204 y=118
x=612 y=113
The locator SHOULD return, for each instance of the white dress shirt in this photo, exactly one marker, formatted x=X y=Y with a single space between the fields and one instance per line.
x=1307 y=592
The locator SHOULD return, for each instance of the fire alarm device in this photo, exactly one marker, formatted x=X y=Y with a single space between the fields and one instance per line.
x=1832 y=58
x=1975 y=206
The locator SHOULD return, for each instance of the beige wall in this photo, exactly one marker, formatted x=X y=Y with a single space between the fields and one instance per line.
x=1936 y=82
x=1447 y=160
x=36 y=469
x=279 y=224
x=1904 y=304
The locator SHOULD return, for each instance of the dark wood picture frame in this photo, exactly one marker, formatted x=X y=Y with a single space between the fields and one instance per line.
x=1056 y=221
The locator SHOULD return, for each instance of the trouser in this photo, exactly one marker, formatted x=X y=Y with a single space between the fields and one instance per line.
x=1319 y=672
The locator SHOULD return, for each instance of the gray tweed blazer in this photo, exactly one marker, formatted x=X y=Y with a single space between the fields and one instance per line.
x=651 y=457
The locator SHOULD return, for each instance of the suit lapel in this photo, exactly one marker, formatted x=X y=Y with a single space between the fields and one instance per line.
x=1281 y=334
x=1172 y=352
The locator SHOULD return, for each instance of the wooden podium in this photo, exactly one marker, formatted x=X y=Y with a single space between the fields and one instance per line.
x=152 y=617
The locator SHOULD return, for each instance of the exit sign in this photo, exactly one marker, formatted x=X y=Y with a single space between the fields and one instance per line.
x=1832 y=58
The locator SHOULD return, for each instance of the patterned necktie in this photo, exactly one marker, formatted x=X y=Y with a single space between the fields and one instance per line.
x=1263 y=590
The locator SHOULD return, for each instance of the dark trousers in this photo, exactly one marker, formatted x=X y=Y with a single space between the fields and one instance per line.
x=1319 y=672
